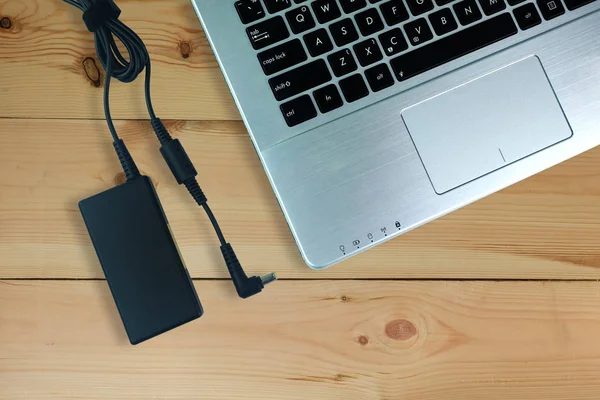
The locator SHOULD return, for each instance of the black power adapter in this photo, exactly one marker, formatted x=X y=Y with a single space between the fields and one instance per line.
x=148 y=280
x=129 y=230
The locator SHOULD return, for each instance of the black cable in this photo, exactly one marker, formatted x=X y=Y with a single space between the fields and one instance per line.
x=109 y=121
x=147 y=93
x=102 y=18
x=110 y=57
x=214 y=223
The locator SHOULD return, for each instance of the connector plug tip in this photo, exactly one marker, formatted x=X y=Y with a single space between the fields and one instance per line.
x=266 y=279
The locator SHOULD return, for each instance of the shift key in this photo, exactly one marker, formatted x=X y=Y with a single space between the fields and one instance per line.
x=300 y=79
x=267 y=32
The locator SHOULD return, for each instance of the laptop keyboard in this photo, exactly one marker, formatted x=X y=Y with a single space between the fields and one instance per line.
x=392 y=40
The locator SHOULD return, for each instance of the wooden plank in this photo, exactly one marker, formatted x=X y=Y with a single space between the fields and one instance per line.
x=48 y=54
x=310 y=340
x=545 y=227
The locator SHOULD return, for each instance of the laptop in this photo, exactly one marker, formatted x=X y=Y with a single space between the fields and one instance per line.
x=373 y=117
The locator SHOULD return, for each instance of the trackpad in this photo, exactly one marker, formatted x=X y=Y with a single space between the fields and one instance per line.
x=486 y=124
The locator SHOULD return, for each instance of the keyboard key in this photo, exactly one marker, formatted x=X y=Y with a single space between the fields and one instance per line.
x=326 y=10
x=343 y=32
x=354 y=88
x=374 y=1
x=418 y=31
x=573 y=4
x=281 y=57
x=328 y=98
x=349 y=6
x=274 y=6
x=393 y=42
x=443 y=2
x=550 y=8
x=369 y=22
x=491 y=7
x=514 y=2
x=267 y=32
x=379 y=77
x=318 y=42
x=454 y=46
x=298 y=110
x=443 y=21
x=300 y=79
x=367 y=52
x=418 y=7
x=300 y=19
x=249 y=10
x=394 y=12
x=467 y=12
x=342 y=62
x=527 y=16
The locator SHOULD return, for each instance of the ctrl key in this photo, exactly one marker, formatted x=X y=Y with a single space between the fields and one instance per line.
x=298 y=110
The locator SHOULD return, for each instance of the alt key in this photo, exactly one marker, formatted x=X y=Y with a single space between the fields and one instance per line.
x=298 y=110
x=527 y=16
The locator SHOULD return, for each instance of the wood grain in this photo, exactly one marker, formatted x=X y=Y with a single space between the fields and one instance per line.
x=543 y=228
x=301 y=339
x=49 y=69
x=310 y=340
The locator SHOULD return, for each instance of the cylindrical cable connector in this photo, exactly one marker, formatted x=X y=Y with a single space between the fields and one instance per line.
x=163 y=135
x=194 y=188
x=129 y=168
x=245 y=286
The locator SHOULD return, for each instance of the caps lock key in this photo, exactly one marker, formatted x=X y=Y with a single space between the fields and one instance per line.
x=283 y=56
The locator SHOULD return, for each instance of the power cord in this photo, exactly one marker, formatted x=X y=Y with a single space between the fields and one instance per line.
x=102 y=18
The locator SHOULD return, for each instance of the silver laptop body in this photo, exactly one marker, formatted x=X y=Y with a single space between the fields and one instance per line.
x=476 y=103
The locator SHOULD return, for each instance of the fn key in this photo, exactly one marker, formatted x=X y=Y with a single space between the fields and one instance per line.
x=298 y=110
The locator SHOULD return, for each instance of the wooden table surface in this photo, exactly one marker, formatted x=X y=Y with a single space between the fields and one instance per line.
x=499 y=300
